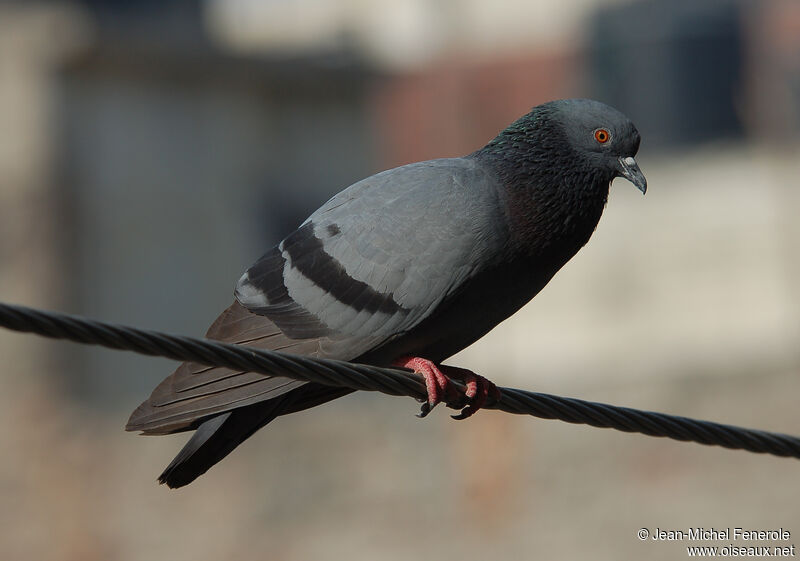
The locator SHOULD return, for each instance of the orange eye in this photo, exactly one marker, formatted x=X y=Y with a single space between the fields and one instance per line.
x=602 y=136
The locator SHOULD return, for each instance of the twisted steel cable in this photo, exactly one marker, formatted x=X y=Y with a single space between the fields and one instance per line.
x=391 y=381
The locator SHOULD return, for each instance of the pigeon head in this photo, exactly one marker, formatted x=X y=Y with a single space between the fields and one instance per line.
x=601 y=136
x=570 y=143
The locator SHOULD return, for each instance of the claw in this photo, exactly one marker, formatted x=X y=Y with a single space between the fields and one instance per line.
x=424 y=410
x=478 y=391
x=465 y=414
x=440 y=388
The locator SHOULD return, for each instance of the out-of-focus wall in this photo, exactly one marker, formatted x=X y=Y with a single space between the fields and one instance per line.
x=33 y=43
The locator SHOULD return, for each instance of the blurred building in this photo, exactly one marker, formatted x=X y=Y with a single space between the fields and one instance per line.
x=677 y=65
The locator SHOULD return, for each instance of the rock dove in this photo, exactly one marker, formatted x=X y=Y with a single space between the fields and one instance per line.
x=406 y=267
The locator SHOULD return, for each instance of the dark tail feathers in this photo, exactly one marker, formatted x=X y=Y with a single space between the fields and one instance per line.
x=216 y=437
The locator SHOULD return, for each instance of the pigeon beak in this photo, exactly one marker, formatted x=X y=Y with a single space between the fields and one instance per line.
x=629 y=169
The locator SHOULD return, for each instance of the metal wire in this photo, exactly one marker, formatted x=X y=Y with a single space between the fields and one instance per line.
x=391 y=381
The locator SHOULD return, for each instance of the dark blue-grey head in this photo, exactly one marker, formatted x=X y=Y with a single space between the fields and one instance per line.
x=579 y=142
x=602 y=135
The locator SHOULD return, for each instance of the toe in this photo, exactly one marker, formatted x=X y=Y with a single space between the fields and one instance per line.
x=437 y=385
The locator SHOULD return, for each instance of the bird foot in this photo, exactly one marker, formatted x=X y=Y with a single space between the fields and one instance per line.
x=438 y=382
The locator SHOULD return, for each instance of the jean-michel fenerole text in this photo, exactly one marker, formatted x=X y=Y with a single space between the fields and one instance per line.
x=720 y=534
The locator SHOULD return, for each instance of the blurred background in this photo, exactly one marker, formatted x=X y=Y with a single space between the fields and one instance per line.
x=151 y=151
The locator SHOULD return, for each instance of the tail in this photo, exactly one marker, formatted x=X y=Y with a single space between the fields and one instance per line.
x=225 y=407
x=216 y=437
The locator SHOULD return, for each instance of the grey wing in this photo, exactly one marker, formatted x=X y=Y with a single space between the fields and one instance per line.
x=368 y=266
x=380 y=256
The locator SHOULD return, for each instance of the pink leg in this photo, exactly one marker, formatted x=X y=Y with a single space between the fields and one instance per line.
x=441 y=389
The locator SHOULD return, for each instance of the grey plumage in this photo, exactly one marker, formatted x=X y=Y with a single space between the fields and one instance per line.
x=419 y=260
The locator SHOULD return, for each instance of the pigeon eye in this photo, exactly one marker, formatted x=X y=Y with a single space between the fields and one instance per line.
x=602 y=136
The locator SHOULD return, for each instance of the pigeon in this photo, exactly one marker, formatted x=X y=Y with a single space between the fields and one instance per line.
x=404 y=268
